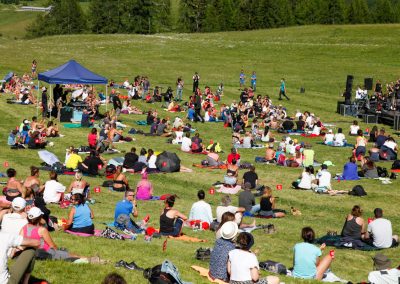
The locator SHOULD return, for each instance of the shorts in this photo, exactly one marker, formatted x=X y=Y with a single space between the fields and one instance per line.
x=57 y=254
x=267 y=214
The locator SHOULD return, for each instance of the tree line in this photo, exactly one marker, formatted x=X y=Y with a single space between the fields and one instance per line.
x=154 y=16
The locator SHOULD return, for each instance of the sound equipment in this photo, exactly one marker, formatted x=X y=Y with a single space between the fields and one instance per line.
x=65 y=114
x=349 y=83
x=370 y=118
x=77 y=115
x=368 y=82
x=347 y=110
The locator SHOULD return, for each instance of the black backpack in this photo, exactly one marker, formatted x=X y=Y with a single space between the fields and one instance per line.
x=203 y=254
x=358 y=190
x=156 y=276
x=273 y=266
x=382 y=172
x=396 y=165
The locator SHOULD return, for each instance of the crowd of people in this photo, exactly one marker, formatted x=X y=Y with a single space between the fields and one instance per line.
x=26 y=221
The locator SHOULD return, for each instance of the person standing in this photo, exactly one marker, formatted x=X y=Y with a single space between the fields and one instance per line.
x=45 y=108
x=33 y=69
x=253 y=80
x=116 y=102
x=197 y=108
x=282 y=90
x=242 y=78
x=196 y=79
x=179 y=89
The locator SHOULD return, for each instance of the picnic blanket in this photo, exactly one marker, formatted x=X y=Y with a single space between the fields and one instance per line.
x=187 y=238
x=220 y=167
x=339 y=242
x=345 y=145
x=97 y=233
x=173 y=110
x=229 y=190
x=311 y=135
x=72 y=125
x=204 y=272
x=199 y=153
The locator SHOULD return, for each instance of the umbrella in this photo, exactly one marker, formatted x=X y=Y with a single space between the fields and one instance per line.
x=48 y=157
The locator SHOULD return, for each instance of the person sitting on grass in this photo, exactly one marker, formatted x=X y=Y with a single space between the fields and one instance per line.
x=93 y=138
x=267 y=205
x=247 y=200
x=323 y=177
x=201 y=210
x=53 y=190
x=197 y=143
x=252 y=178
x=361 y=144
x=80 y=216
x=339 y=139
x=350 y=170
x=383 y=271
x=354 y=225
x=47 y=249
x=238 y=211
x=186 y=143
x=379 y=232
x=220 y=253
x=213 y=158
x=270 y=154
x=32 y=183
x=123 y=211
x=24 y=262
x=151 y=161
x=171 y=220
x=144 y=188
x=307 y=261
x=79 y=185
x=130 y=159
x=120 y=182
x=14 y=187
x=93 y=164
x=52 y=130
x=368 y=169
x=243 y=265
x=15 y=218
x=307 y=179
x=15 y=140
x=73 y=160
x=354 y=128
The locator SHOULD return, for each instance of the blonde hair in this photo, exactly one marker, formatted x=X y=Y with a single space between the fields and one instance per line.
x=78 y=175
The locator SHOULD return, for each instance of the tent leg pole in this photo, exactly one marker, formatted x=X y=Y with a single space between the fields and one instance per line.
x=106 y=97
x=37 y=98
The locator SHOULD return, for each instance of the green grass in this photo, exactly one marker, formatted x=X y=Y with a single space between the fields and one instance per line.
x=316 y=57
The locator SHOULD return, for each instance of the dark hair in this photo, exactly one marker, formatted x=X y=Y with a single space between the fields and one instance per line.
x=227 y=216
x=201 y=194
x=359 y=132
x=308 y=235
x=150 y=152
x=11 y=172
x=53 y=175
x=378 y=212
x=34 y=170
x=170 y=200
x=114 y=278
x=234 y=161
x=79 y=198
x=356 y=211
x=133 y=150
x=352 y=159
x=340 y=130
x=252 y=168
x=128 y=191
x=245 y=241
x=143 y=151
x=310 y=169
x=94 y=130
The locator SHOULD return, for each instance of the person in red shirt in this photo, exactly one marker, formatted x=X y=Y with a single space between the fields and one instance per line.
x=233 y=155
x=92 y=138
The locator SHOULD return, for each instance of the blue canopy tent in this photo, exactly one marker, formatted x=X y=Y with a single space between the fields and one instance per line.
x=71 y=73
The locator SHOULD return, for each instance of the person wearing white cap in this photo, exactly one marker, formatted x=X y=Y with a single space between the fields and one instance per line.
x=13 y=222
x=222 y=247
x=328 y=140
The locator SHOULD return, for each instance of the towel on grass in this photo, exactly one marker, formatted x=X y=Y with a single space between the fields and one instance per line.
x=204 y=272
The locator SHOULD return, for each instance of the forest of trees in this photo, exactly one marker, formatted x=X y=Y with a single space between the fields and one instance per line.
x=154 y=16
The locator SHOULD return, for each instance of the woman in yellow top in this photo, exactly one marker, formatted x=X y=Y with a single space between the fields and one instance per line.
x=361 y=144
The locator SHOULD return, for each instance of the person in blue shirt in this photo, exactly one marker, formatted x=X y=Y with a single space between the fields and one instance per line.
x=80 y=217
x=253 y=81
x=190 y=114
x=282 y=90
x=350 y=170
x=242 y=78
x=123 y=210
x=307 y=261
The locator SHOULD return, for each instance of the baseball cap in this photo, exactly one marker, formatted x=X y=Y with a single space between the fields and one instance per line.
x=18 y=203
x=34 y=212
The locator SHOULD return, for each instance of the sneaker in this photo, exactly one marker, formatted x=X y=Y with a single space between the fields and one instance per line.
x=127 y=232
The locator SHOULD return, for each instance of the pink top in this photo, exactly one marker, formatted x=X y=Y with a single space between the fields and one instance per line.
x=32 y=232
x=144 y=189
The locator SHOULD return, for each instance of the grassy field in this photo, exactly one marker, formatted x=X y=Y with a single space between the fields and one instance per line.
x=315 y=57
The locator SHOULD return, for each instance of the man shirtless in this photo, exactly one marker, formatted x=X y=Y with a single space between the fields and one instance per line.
x=270 y=153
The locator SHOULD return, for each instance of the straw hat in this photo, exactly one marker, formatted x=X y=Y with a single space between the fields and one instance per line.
x=229 y=230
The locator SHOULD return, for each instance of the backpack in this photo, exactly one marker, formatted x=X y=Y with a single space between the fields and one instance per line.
x=203 y=253
x=58 y=167
x=396 y=165
x=109 y=233
x=281 y=159
x=382 y=172
x=358 y=190
x=273 y=266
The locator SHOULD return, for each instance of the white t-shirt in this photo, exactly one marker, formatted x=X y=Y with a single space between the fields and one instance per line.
x=390 y=144
x=339 y=138
x=387 y=276
x=246 y=142
x=381 y=230
x=152 y=162
x=329 y=138
x=12 y=223
x=324 y=178
x=306 y=180
x=7 y=242
x=201 y=210
x=354 y=129
x=179 y=136
x=241 y=263
x=222 y=209
x=316 y=130
x=52 y=189
x=186 y=144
